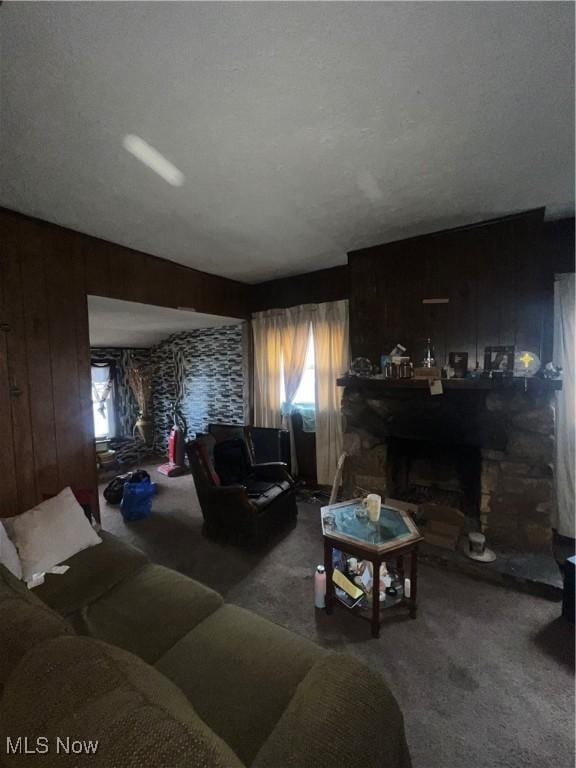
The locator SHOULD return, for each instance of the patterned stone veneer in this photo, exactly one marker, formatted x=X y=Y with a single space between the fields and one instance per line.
x=208 y=365
x=514 y=430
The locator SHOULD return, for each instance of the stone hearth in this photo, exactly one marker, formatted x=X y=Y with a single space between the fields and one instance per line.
x=512 y=428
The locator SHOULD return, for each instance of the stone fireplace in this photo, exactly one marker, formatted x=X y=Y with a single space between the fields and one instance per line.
x=484 y=447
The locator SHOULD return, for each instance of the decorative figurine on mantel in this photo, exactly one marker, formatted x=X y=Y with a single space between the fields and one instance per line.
x=458 y=365
x=428 y=369
x=526 y=364
x=551 y=371
x=429 y=360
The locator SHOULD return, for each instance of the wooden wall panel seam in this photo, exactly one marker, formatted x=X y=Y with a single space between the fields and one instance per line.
x=26 y=478
x=9 y=486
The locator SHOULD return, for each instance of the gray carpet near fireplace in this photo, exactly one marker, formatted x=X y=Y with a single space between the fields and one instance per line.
x=484 y=675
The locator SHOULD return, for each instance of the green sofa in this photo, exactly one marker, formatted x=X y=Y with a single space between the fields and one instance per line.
x=159 y=671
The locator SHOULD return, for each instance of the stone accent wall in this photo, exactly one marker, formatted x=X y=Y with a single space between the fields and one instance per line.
x=513 y=428
x=517 y=483
x=207 y=367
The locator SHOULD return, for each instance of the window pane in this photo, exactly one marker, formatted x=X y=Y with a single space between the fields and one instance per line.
x=101 y=428
x=306 y=390
x=101 y=401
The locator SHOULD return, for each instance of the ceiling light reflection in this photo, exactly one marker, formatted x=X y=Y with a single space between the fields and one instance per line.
x=153 y=159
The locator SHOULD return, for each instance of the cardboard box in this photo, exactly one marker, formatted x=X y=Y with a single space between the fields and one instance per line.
x=428 y=373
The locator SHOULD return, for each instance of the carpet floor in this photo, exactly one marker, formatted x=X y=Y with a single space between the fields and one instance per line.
x=484 y=675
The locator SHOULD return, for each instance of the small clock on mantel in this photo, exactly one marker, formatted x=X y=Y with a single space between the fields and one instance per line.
x=361 y=366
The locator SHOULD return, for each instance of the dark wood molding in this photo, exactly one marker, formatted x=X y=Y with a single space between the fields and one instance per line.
x=376 y=386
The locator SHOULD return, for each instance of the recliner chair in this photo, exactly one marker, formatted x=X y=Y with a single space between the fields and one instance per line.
x=242 y=502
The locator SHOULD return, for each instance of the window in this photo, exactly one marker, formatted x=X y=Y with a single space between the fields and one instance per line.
x=306 y=392
x=102 y=405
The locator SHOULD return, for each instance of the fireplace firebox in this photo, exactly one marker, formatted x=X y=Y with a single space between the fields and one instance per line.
x=421 y=471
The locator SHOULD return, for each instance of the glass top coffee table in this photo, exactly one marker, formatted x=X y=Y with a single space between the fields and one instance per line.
x=346 y=527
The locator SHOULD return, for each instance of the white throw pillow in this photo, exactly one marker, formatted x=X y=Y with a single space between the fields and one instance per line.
x=50 y=533
x=8 y=554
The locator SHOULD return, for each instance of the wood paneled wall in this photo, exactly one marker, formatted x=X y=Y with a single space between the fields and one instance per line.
x=559 y=244
x=499 y=288
x=46 y=273
x=495 y=275
x=313 y=287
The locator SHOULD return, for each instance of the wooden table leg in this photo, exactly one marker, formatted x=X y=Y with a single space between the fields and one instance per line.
x=376 y=598
x=329 y=568
x=400 y=569
x=413 y=581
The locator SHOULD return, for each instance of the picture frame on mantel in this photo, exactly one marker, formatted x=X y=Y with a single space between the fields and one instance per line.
x=499 y=359
x=458 y=362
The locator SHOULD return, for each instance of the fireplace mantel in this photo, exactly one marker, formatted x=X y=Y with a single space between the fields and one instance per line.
x=375 y=385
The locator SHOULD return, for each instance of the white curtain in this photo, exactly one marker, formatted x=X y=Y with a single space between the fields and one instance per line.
x=267 y=368
x=564 y=356
x=280 y=341
x=280 y=344
x=330 y=329
x=295 y=332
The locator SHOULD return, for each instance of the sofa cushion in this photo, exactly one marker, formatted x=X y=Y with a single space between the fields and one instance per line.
x=92 y=573
x=148 y=612
x=341 y=715
x=87 y=690
x=232 y=461
x=24 y=622
x=248 y=670
x=50 y=533
x=9 y=554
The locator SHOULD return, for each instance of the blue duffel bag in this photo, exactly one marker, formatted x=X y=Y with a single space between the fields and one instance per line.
x=137 y=500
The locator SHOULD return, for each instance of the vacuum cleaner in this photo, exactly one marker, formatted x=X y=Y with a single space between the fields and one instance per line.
x=176 y=450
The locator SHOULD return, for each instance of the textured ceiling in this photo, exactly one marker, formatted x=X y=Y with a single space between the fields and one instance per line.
x=116 y=323
x=303 y=130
